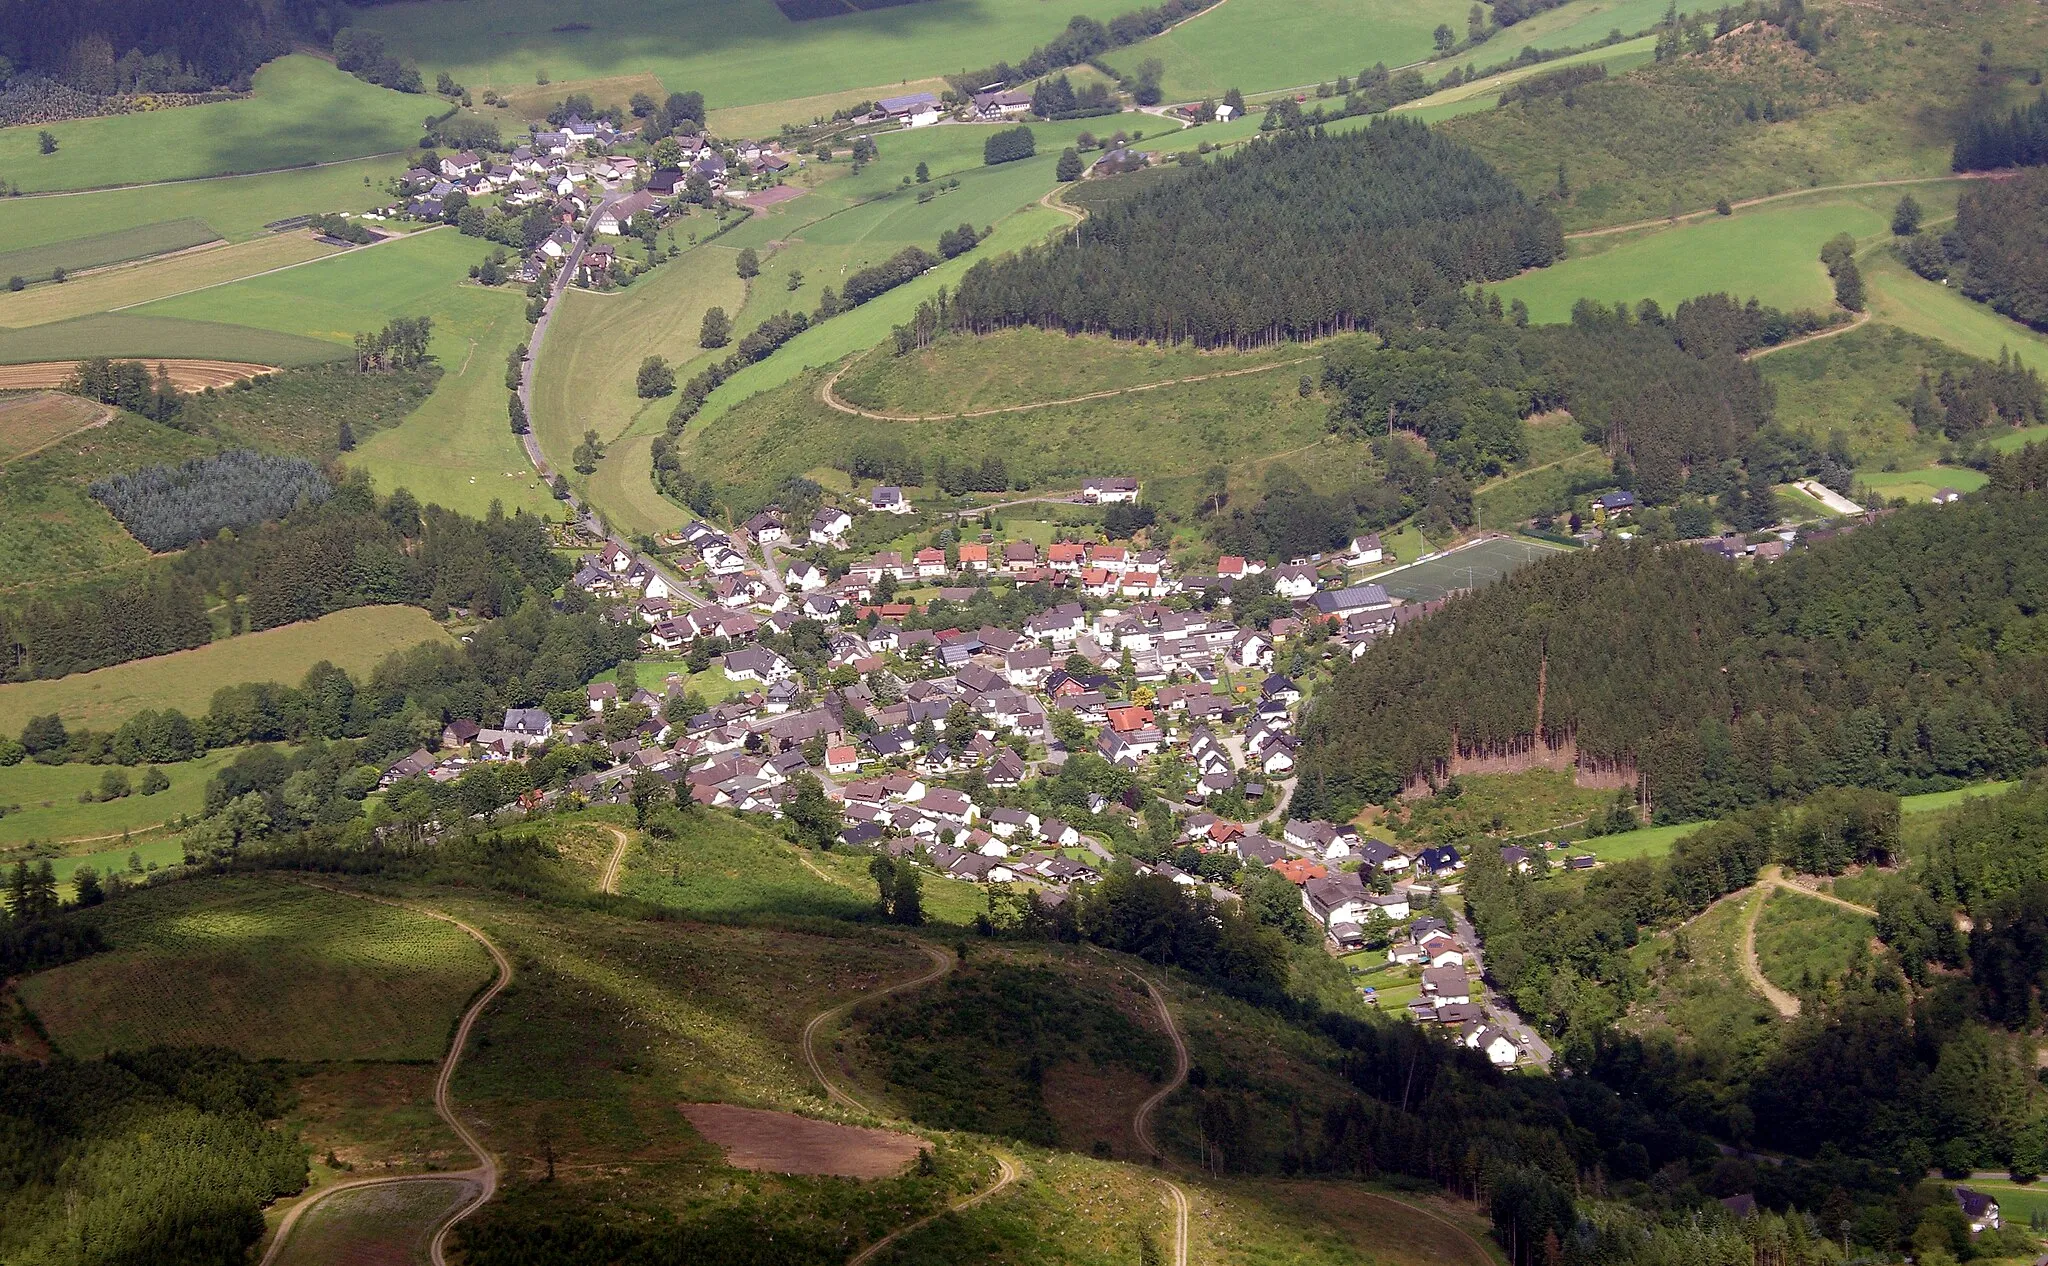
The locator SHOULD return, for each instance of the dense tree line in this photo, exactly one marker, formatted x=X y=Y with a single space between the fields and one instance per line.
x=1008 y=145
x=2016 y=139
x=159 y=1156
x=113 y=46
x=126 y=384
x=1305 y=236
x=168 y=507
x=352 y=550
x=362 y=53
x=1899 y=656
x=1994 y=249
x=1554 y=83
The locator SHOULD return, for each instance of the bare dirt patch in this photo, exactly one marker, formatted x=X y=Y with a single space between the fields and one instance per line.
x=766 y=198
x=186 y=375
x=1092 y=1105
x=783 y=1143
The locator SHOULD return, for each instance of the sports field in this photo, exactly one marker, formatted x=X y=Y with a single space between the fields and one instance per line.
x=1771 y=252
x=302 y=111
x=355 y=639
x=1467 y=567
x=37 y=263
x=235 y=207
x=737 y=52
x=274 y=970
x=157 y=279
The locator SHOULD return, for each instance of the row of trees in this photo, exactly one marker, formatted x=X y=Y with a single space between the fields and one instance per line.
x=1855 y=662
x=1308 y=236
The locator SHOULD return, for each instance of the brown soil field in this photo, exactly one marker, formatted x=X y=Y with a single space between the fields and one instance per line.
x=782 y=1143
x=1092 y=1105
x=186 y=375
x=33 y=422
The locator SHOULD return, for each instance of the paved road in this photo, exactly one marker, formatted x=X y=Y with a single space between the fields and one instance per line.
x=1534 y=1048
x=531 y=440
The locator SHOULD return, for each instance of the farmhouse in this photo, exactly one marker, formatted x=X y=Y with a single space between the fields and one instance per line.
x=1111 y=489
x=1000 y=104
x=917 y=109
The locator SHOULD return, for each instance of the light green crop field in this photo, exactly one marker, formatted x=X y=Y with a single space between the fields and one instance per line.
x=42 y=800
x=235 y=207
x=272 y=969
x=1770 y=252
x=457 y=449
x=131 y=334
x=1261 y=45
x=737 y=52
x=302 y=111
x=355 y=639
x=37 y=262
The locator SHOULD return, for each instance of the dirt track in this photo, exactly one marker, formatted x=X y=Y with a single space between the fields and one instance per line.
x=186 y=375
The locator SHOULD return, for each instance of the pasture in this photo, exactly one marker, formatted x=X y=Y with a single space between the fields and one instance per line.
x=742 y=52
x=130 y=335
x=38 y=419
x=1939 y=312
x=1804 y=944
x=456 y=449
x=1262 y=45
x=1771 y=252
x=38 y=263
x=158 y=279
x=302 y=111
x=1484 y=93
x=1464 y=567
x=355 y=639
x=234 y=207
x=272 y=969
x=1917 y=487
x=42 y=801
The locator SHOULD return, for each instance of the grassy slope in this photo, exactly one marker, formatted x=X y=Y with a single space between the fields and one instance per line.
x=355 y=639
x=269 y=968
x=303 y=111
x=1802 y=943
x=51 y=527
x=42 y=800
x=1860 y=384
x=236 y=207
x=1259 y=45
x=740 y=52
x=457 y=449
x=1484 y=94
x=1695 y=987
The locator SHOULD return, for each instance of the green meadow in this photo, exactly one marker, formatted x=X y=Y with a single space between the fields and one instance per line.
x=736 y=52
x=1771 y=252
x=130 y=334
x=457 y=449
x=41 y=801
x=119 y=246
x=302 y=111
x=1262 y=45
x=1940 y=312
x=234 y=207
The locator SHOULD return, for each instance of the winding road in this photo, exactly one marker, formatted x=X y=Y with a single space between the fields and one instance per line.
x=484 y=1177
x=1141 y=1120
x=1768 y=881
x=1006 y=1169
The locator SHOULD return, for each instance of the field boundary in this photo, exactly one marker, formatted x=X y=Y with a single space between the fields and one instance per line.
x=281 y=268
x=484 y=1177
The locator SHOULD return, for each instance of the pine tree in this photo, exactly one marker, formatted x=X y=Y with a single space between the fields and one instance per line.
x=346 y=441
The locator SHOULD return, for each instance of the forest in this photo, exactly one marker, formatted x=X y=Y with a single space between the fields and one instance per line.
x=103 y=47
x=1904 y=656
x=167 y=507
x=354 y=549
x=1994 y=248
x=1298 y=237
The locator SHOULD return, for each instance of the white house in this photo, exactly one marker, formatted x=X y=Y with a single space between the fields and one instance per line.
x=918 y=109
x=1500 y=1049
x=1366 y=551
x=888 y=499
x=1295 y=583
x=803 y=577
x=1110 y=489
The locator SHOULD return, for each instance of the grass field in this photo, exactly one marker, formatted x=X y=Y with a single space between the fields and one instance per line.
x=1260 y=45
x=1939 y=312
x=155 y=853
x=1771 y=252
x=134 y=336
x=36 y=419
x=1802 y=943
x=1484 y=94
x=302 y=111
x=742 y=52
x=1649 y=841
x=456 y=450
x=235 y=207
x=273 y=969
x=157 y=279
x=355 y=639
x=1467 y=567
x=37 y=263
x=1918 y=487
x=42 y=800
x=1937 y=801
